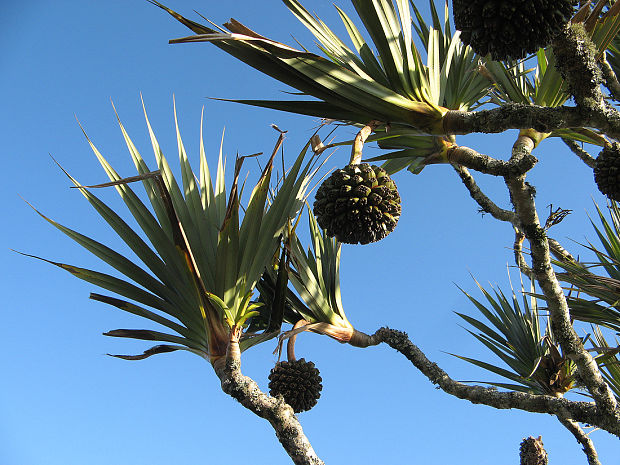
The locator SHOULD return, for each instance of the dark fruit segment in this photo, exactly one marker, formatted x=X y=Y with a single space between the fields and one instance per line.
x=607 y=171
x=510 y=29
x=298 y=382
x=358 y=204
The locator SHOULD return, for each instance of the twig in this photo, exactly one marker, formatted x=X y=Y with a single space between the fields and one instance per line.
x=580 y=152
x=582 y=438
x=486 y=204
x=556 y=216
x=518 y=251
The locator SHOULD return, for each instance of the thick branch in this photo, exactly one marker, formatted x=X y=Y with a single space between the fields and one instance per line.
x=521 y=116
x=582 y=438
x=522 y=195
x=512 y=116
x=486 y=204
x=610 y=78
x=580 y=152
x=476 y=161
x=576 y=61
x=275 y=410
x=488 y=165
x=558 y=251
x=585 y=412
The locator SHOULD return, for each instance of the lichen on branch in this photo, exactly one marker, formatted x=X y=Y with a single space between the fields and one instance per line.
x=279 y=414
x=584 y=412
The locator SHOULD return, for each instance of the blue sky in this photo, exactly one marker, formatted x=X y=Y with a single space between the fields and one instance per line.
x=64 y=402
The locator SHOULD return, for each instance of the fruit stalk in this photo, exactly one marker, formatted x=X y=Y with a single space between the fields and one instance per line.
x=290 y=346
x=360 y=139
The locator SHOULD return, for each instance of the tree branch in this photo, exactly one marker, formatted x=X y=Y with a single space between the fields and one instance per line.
x=486 y=204
x=512 y=116
x=522 y=195
x=558 y=251
x=582 y=438
x=471 y=159
x=518 y=251
x=610 y=78
x=541 y=119
x=580 y=152
x=585 y=412
x=275 y=410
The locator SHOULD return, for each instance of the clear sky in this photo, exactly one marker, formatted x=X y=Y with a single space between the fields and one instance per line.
x=64 y=402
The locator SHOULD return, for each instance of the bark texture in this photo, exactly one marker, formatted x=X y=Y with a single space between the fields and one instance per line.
x=485 y=203
x=541 y=119
x=532 y=452
x=583 y=439
x=281 y=416
x=522 y=195
x=471 y=159
x=584 y=412
x=580 y=152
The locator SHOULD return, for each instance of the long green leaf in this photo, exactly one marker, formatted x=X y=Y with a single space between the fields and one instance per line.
x=144 y=313
x=158 y=349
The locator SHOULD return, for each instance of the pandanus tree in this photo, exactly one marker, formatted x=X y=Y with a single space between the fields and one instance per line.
x=229 y=280
x=205 y=259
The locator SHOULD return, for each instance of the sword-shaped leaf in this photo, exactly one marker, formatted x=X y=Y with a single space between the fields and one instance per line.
x=158 y=349
x=608 y=361
x=193 y=201
x=379 y=18
x=581 y=135
x=116 y=285
x=372 y=65
x=598 y=298
x=332 y=44
x=203 y=265
x=524 y=385
x=137 y=310
x=316 y=276
x=310 y=108
x=350 y=82
x=149 y=335
x=160 y=239
x=514 y=336
x=117 y=261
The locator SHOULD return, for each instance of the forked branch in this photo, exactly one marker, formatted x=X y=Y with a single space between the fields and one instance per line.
x=522 y=195
x=484 y=202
